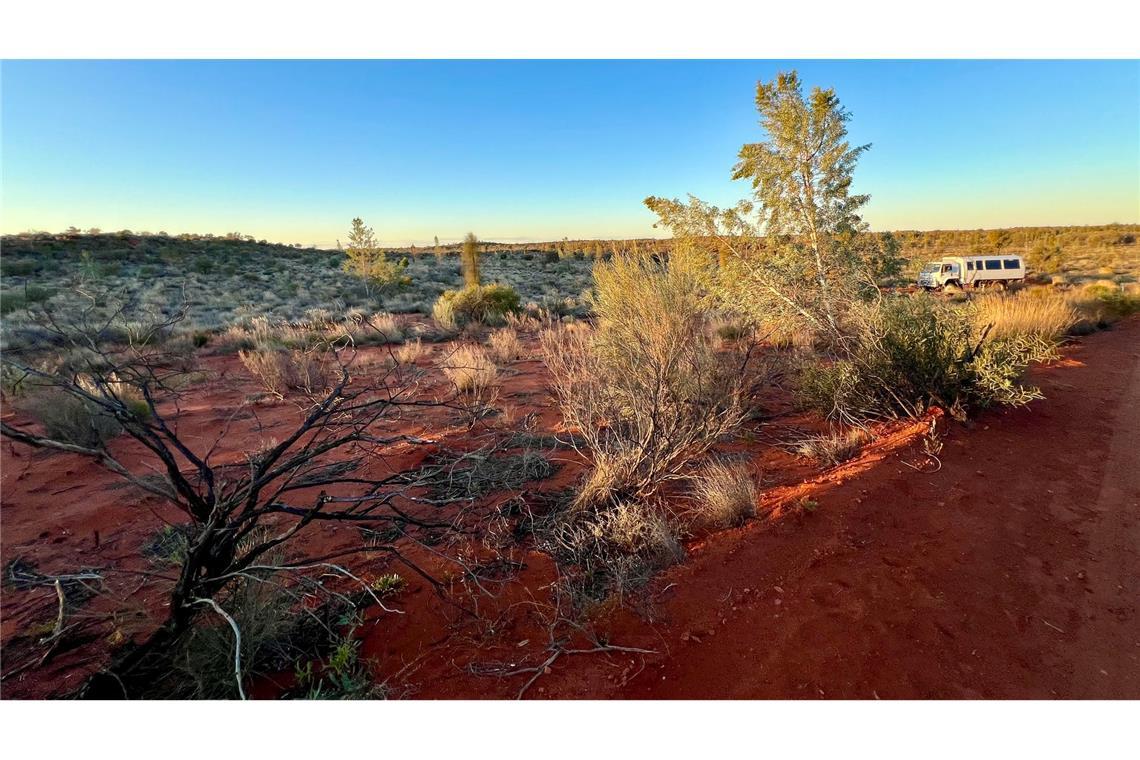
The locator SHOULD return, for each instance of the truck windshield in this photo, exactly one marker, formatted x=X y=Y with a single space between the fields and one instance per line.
x=932 y=267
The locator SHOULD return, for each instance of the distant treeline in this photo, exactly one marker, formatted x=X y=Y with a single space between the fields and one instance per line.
x=1047 y=245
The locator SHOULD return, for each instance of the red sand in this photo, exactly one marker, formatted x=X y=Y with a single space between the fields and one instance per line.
x=1011 y=572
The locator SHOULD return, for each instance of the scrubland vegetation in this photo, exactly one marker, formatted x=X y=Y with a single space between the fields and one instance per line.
x=656 y=353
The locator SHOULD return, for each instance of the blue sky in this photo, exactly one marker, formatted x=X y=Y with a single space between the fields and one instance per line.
x=540 y=150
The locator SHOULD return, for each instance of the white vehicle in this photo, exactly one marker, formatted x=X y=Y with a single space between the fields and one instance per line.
x=991 y=270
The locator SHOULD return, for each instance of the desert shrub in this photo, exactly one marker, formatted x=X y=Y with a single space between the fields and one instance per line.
x=282 y=370
x=410 y=352
x=488 y=304
x=504 y=344
x=725 y=493
x=833 y=448
x=647 y=390
x=470 y=370
x=129 y=397
x=614 y=550
x=362 y=329
x=1044 y=313
x=905 y=355
x=1101 y=304
x=69 y=418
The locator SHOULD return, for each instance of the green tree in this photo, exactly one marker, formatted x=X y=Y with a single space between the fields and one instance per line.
x=469 y=260
x=365 y=259
x=799 y=248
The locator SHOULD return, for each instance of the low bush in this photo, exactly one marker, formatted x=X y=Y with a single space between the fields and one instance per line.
x=489 y=304
x=905 y=355
x=647 y=390
x=68 y=418
x=1100 y=304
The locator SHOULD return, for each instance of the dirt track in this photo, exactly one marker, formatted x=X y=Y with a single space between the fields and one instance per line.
x=1013 y=572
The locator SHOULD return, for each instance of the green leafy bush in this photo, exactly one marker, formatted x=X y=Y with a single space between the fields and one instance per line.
x=906 y=355
x=489 y=304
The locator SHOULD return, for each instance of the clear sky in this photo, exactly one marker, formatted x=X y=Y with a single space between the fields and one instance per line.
x=540 y=150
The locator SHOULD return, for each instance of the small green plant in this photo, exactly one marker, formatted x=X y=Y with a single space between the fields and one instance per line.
x=170 y=545
x=389 y=583
x=342 y=676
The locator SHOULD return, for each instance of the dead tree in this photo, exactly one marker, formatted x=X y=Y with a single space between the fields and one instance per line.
x=238 y=512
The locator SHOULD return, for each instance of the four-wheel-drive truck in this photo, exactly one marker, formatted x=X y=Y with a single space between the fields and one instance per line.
x=990 y=270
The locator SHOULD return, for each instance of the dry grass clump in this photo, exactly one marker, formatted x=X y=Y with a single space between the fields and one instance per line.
x=504 y=344
x=725 y=494
x=835 y=447
x=410 y=352
x=1102 y=303
x=282 y=370
x=470 y=370
x=361 y=329
x=1040 y=312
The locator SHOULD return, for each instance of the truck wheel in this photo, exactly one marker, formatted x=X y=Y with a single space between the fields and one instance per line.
x=951 y=287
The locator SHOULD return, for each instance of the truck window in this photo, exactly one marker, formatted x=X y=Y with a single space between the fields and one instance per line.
x=993 y=264
x=1011 y=264
x=970 y=265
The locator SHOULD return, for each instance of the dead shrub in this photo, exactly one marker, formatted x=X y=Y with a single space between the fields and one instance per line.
x=725 y=494
x=610 y=551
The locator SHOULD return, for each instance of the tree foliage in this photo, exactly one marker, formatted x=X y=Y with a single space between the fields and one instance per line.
x=366 y=259
x=798 y=248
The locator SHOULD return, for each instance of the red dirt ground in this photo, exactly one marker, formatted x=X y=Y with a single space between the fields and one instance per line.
x=1011 y=572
